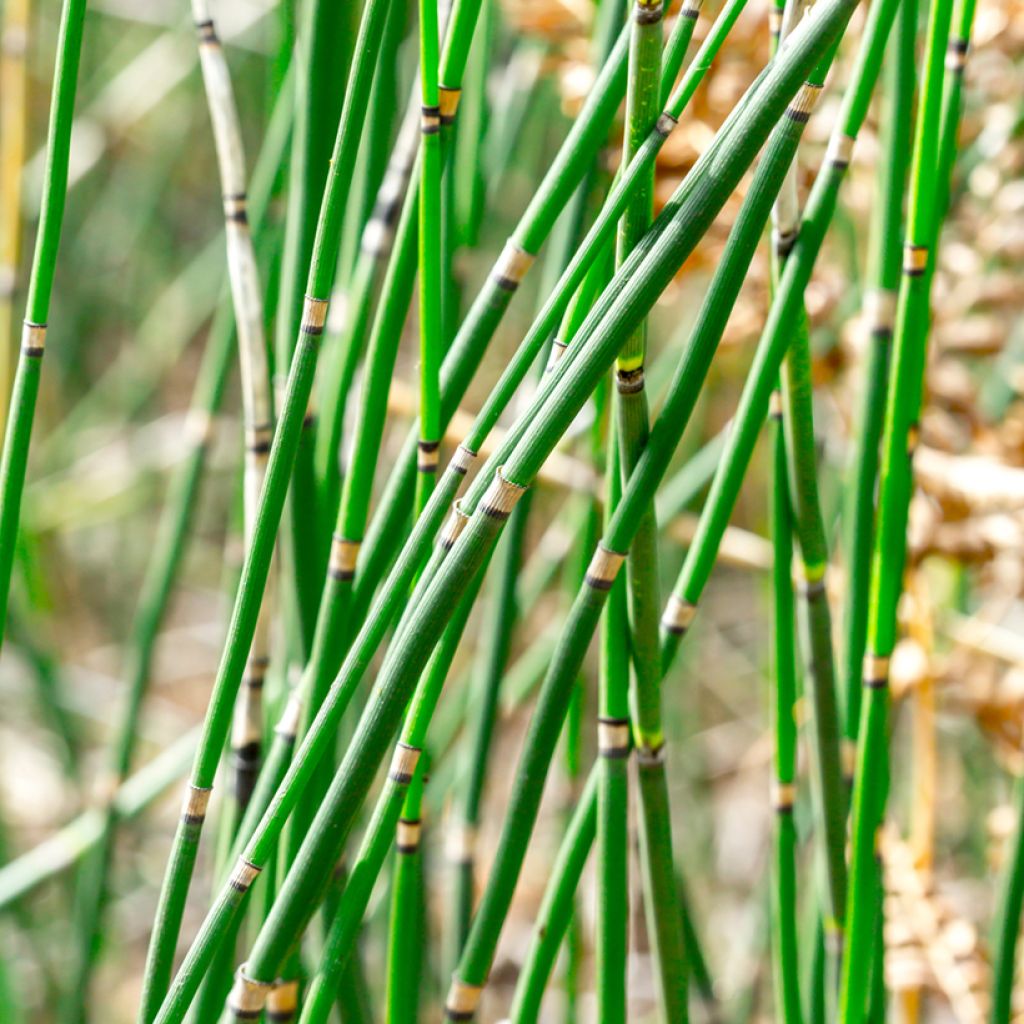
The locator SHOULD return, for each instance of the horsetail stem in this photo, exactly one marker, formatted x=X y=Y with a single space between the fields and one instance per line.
x=25 y=390
x=902 y=409
x=784 y=891
x=431 y=282
x=249 y=596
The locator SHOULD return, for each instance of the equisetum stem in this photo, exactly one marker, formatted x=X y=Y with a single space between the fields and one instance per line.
x=895 y=485
x=784 y=898
x=556 y=908
x=406 y=934
x=257 y=411
x=249 y=596
x=879 y=309
x=632 y=422
x=21 y=411
x=492 y=667
x=14 y=34
x=431 y=282
x=612 y=770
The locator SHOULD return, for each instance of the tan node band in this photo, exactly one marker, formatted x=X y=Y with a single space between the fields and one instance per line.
x=449 y=103
x=840 y=150
x=880 y=311
x=461 y=846
x=501 y=496
x=462 y=1000
x=630 y=382
x=258 y=438
x=403 y=763
x=427 y=456
x=613 y=737
x=691 y=11
x=283 y=1000
x=804 y=102
x=244 y=875
x=462 y=459
x=344 y=554
x=646 y=13
x=678 y=615
x=193 y=807
x=666 y=122
x=915 y=260
x=775 y=21
x=956 y=55
x=207 y=33
x=783 y=796
x=512 y=265
x=314 y=315
x=775 y=405
x=234 y=208
x=603 y=568
x=248 y=996
x=558 y=349
x=876 y=671
x=33 y=339
x=288 y=724
x=649 y=757
x=430 y=120
x=453 y=528
x=408 y=835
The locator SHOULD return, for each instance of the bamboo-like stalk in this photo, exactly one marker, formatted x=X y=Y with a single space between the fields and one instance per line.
x=493 y=662
x=895 y=484
x=556 y=909
x=661 y=900
x=612 y=770
x=879 y=308
x=21 y=411
x=257 y=562
x=257 y=410
x=13 y=90
x=431 y=282
x=406 y=935
x=784 y=901
x=815 y=627
x=323 y=53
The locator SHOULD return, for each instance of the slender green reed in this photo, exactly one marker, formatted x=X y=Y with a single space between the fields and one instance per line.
x=556 y=908
x=257 y=562
x=22 y=407
x=431 y=282
x=879 y=309
x=784 y=891
x=902 y=409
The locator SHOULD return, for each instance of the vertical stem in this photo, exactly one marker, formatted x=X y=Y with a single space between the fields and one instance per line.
x=784 y=891
x=902 y=411
x=21 y=413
